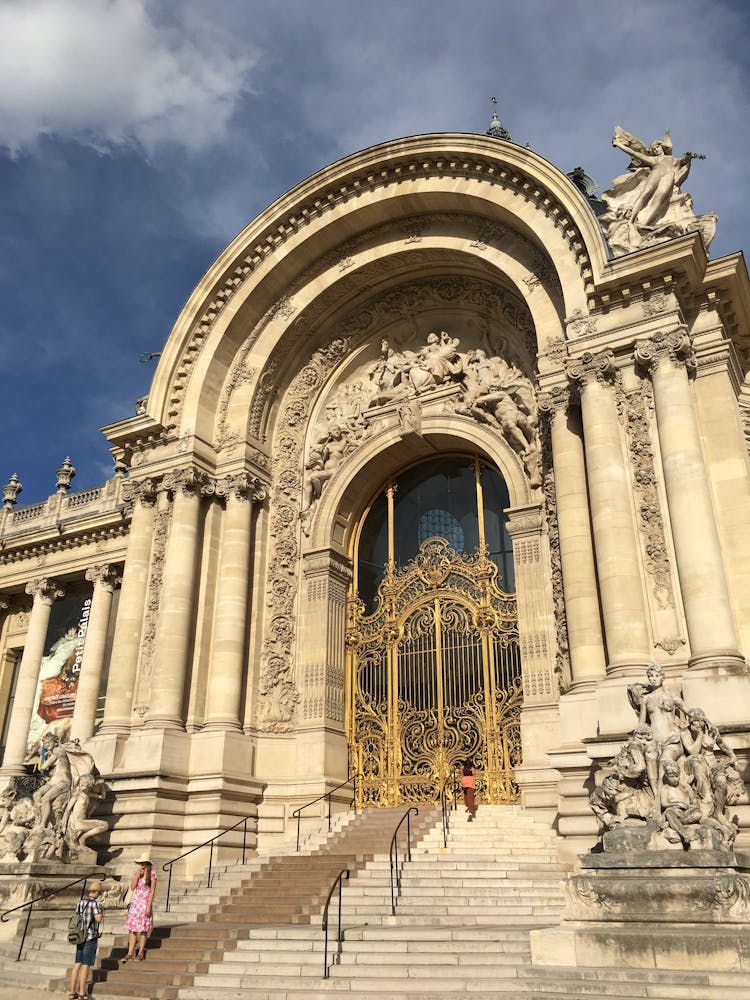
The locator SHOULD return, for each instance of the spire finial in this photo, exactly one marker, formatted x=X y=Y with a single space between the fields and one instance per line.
x=496 y=129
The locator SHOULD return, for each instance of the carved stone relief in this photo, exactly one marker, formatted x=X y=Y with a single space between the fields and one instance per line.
x=278 y=692
x=484 y=387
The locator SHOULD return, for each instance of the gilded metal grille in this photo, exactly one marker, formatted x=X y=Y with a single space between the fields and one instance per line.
x=434 y=679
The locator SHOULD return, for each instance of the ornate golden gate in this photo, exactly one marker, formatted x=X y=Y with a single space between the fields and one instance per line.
x=434 y=679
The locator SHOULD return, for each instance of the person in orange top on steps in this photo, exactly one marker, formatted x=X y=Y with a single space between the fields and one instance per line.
x=469 y=784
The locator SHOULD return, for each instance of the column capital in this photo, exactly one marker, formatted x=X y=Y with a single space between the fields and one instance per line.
x=237 y=486
x=44 y=590
x=104 y=576
x=188 y=481
x=554 y=401
x=142 y=491
x=591 y=367
x=673 y=346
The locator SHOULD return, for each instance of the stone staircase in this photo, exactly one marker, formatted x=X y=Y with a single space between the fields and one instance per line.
x=281 y=890
x=461 y=927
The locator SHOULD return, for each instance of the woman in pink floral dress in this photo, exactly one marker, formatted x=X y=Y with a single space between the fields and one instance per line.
x=140 y=920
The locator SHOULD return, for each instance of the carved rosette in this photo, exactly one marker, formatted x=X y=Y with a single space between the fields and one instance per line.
x=278 y=692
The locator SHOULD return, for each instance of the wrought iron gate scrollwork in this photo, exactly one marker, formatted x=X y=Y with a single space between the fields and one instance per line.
x=434 y=679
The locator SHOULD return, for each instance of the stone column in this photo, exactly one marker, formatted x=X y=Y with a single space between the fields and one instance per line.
x=118 y=703
x=615 y=542
x=174 y=630
x=44 y=592
x=105 y=578
x=231 y=618
x=587 y=657
x=700 y=567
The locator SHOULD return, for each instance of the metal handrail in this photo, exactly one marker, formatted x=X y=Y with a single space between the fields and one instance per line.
x=46 y=895
x=445 y=810
x=344 y=873
x=168 y=865
x=395 y=870
x=326 y=795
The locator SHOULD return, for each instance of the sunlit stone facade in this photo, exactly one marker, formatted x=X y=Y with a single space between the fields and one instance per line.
x=219 y=557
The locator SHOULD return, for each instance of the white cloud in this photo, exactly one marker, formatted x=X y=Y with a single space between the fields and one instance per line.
x=107 y=72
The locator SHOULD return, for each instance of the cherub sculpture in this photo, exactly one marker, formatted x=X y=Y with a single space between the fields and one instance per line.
x=646 y=205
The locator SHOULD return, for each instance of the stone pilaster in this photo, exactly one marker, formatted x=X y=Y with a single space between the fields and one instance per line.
x=700 y=567
x=45 y=593
x=174 y=631
x=615 y=542
x=229 y=646
x=118 y=703
x=587 y=657
x=105 y=578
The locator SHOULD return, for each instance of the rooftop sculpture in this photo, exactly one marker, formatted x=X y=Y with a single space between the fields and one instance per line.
x=645 y=205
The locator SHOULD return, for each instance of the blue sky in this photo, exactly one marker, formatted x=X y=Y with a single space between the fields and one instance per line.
x=137 y=137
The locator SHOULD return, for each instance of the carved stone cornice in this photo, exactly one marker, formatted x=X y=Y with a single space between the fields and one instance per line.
x=590 y=368
x=104 y=575
x=672 y=346
x=44 y=590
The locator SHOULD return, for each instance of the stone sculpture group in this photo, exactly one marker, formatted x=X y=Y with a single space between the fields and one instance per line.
x=645 y=205
x=53 y=822
x=672 y=783
x=487 y=388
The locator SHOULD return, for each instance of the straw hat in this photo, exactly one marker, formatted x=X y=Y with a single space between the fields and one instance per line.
x=143 y=859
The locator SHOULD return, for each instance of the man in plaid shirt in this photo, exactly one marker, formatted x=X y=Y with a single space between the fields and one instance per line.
x=91 y=911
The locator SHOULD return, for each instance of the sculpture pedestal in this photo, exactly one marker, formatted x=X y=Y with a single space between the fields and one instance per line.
x=684 y=910
x=21 y=881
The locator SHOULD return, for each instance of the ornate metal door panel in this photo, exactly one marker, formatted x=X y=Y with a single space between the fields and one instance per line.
x=435 y=679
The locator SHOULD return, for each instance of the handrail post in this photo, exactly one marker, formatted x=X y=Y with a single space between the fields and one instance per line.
x=244 y=839
x=330 y=799
x=344 y=873
x=23 y=936
x=299 y=819
x=408 y=837
x=210 y=863
x=169 y=886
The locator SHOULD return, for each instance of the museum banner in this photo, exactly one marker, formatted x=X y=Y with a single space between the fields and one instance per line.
x=55 y=696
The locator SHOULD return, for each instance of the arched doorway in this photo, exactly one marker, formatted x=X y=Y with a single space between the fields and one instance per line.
x=434 y=670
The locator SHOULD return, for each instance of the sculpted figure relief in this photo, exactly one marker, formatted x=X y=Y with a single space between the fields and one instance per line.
x=487 y=388
x=646 y=205
x=672 y=783
x=53 y=823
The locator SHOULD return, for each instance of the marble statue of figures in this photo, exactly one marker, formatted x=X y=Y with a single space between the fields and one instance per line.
x=672 y=783
x=77 y=822
x=646 y=205
x=52 y=797
x=661 y=710
x=16 y=820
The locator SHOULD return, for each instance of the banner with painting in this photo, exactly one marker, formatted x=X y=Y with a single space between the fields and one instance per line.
x=55 y=696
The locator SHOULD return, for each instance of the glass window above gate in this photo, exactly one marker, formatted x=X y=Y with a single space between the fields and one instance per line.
x=456 y=498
